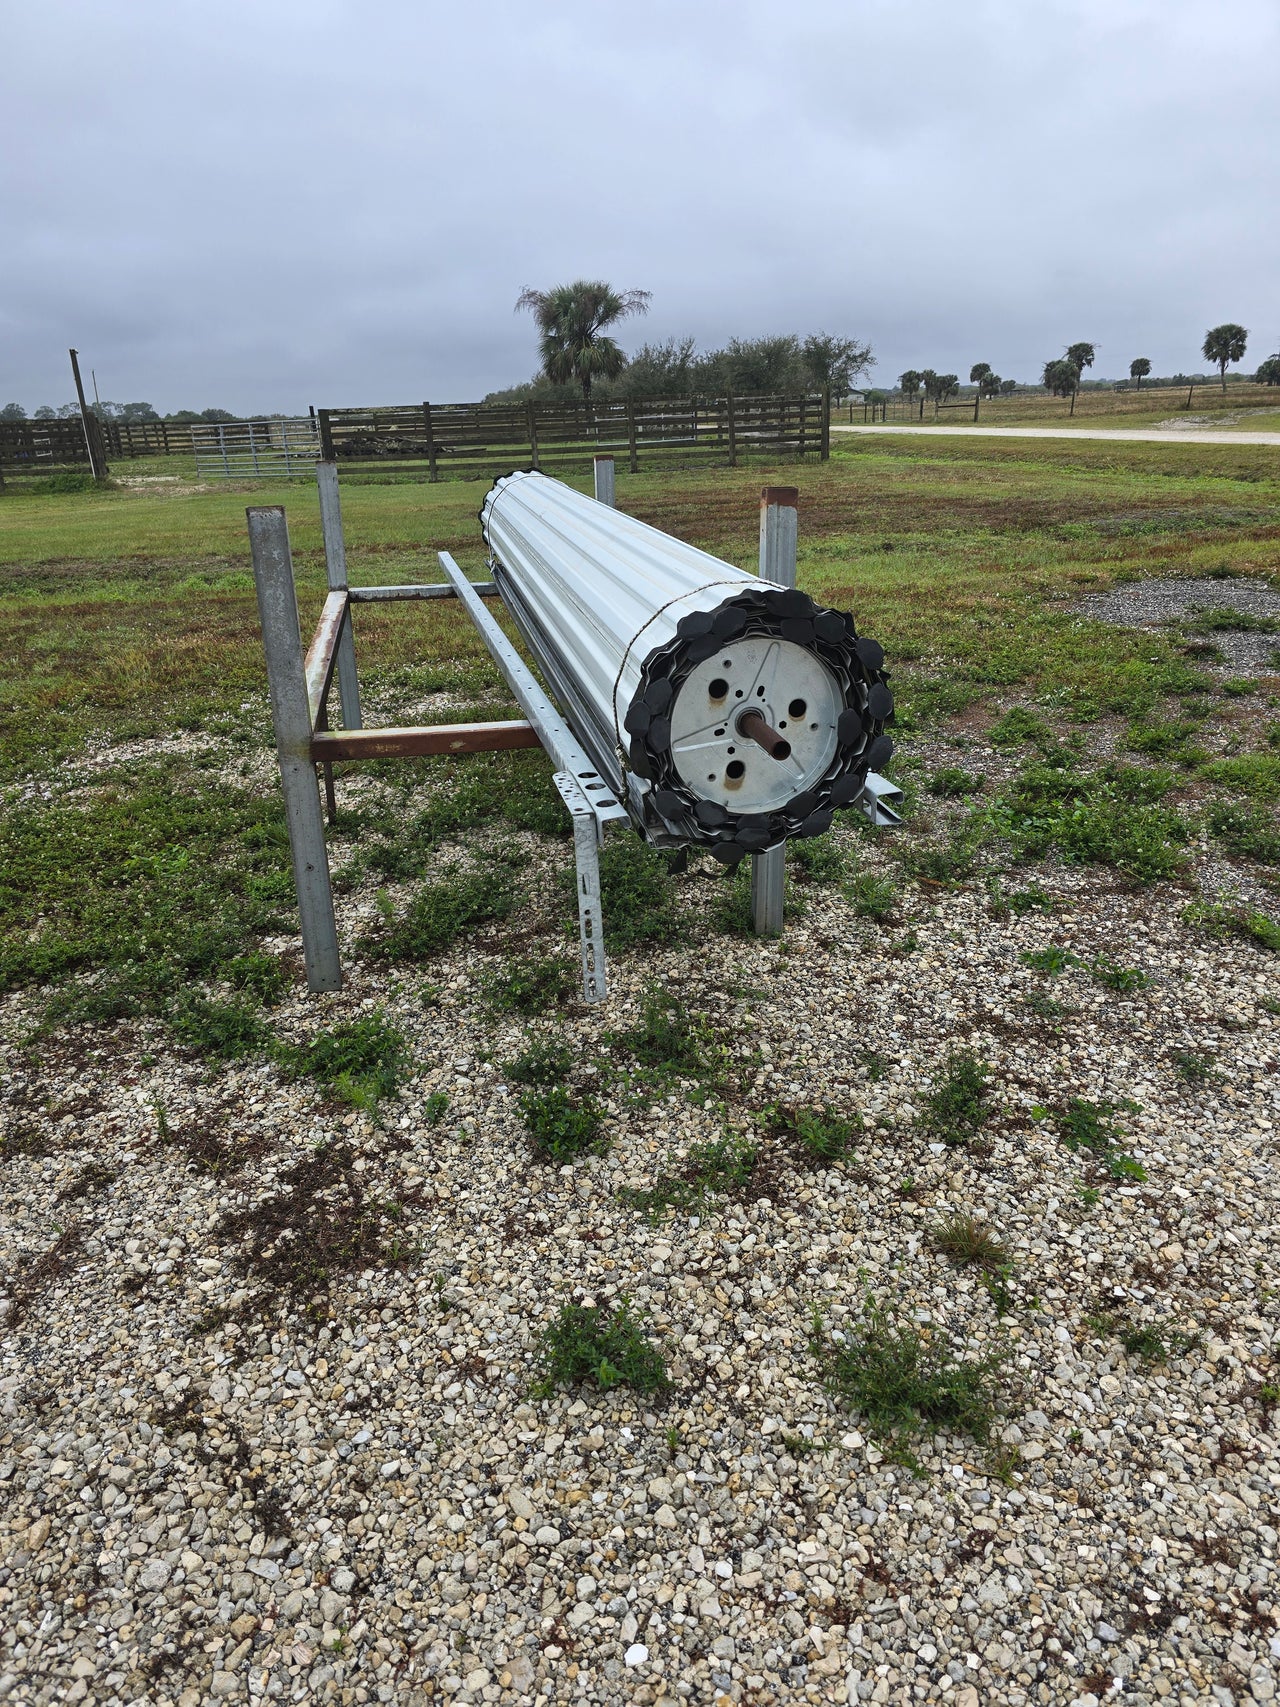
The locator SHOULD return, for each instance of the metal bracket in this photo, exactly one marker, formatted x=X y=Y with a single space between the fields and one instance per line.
x=878 y=800
x=586 y=854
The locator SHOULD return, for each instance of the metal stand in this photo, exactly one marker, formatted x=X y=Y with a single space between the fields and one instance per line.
x=778 y=535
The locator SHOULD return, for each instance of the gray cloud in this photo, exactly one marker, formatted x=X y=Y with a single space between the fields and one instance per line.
x=272 y=203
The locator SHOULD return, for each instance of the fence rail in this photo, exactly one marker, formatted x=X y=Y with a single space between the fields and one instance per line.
x=490 y=438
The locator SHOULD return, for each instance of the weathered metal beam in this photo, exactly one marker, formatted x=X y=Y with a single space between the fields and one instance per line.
x=322 y=654
x=437 y=590
x=423 y=742
x=292 y=721
x=335 y=558
x=778 y=539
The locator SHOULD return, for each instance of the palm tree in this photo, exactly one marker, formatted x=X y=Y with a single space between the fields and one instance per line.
x=1139 y=369
x=571 y=320
x=1223 y=344
x=978 y=372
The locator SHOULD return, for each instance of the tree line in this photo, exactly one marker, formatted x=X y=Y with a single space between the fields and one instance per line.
x=112 y=412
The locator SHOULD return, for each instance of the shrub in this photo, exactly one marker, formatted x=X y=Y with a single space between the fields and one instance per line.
x=592 y=1345
x=560 y=1127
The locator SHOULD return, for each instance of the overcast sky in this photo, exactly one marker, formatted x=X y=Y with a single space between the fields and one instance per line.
x=262 y=204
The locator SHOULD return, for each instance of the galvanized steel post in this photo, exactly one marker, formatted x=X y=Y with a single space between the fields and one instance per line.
x=335 y=557
x=291 y=717
x=604 y=473
x=778 y=534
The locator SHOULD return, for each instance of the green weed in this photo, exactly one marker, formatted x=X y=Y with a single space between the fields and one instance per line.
x=872 y=897
x=902 y=1381
x=1142 y=1340
x=1123 y=979
x=595 y=1346
x=1091 y=1126
x=435 y=1108
x=637 y=894
x=561 y=1127
x=1226 y=919
x=668 y=1039
x=950 y=782
x=821 y=1135
x=1245 y=830
x=260 y=975
x=959 y=1104
x=1193 y=1068
x=1254 y=774
x=223 y=1031
x=722 y=1166
x=969 y=1244
x=543 y=1063
x=818 y=859
x=1053 y=959
x=362 y=1060
x=1019 y=728
x=1084 y=819
x=531 y=986
x=443 y=911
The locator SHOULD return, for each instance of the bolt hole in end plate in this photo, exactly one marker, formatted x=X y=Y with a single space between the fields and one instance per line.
x=771 y=675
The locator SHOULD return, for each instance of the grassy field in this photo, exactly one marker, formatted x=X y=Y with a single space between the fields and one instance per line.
x=1242 y=408
x=134 y=608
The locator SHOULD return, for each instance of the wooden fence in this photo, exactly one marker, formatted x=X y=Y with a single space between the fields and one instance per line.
x=479 y=439
x=49 y=447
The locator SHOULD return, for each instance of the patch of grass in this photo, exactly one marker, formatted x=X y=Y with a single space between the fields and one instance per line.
x=542 y=1063
x=721 y=1166
x=156 y=880
x=1018 y=901
x=1085 y=820
x=562 y=1127
x=531 y=986
x=361 y=1060
x=1226 y=919
x=637 y=894
x=1236 y=687
x=901 y=1380
x=1254 y=774
x=595 y=1346
x=968 y=1243
x=951 y=782
x=818 y=859
x=1226 y=621
x=959 y=1104
x=1193 y=1068
x=442 y=911
x=1247 y=831
x=435 y=1108
x=821 y=1135
x=223 y=1031
x=1045 y=1007
x=1091 y=1126
x=1142 y=1340
x=872 y=897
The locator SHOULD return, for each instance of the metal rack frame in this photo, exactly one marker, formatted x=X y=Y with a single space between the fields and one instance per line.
x=300 y=684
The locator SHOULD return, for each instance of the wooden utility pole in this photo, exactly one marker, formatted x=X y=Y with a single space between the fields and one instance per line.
x=92 y=439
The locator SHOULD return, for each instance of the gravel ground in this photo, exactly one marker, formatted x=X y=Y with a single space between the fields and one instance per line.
x=212 y=1492
x=1150 y=604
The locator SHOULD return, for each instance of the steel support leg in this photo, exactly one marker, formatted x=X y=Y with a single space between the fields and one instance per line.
x=335 y=558
x=604 y=477
x=586 y=854
x=291 y=717
x=778 y=532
